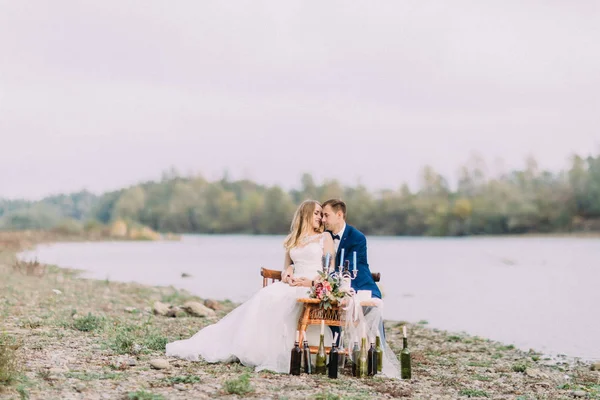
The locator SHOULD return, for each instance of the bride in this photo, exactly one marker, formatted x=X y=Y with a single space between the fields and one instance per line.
x=260 y=332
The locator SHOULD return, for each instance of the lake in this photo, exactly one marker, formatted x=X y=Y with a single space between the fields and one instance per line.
x=533 y=292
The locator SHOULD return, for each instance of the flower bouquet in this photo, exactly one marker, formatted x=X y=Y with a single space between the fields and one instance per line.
x=326 y=289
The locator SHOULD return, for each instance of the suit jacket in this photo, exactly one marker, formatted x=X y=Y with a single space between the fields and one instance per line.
x=353 y=240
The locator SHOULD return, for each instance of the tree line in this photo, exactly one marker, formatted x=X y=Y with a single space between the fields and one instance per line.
x=519 y=201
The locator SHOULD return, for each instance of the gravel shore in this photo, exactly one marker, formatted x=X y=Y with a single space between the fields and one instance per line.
x=63 y=337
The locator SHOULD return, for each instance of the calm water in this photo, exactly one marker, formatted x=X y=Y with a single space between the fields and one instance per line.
x=539 y=293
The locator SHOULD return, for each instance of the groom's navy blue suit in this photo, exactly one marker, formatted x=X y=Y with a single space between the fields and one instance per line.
x=353 y=240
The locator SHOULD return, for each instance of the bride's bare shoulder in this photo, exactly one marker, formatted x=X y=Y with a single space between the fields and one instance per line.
x=326 y=236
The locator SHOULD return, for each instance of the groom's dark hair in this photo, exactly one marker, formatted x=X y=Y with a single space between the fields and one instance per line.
x=336 y=205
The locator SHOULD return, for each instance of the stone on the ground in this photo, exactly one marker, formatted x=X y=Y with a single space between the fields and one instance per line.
x=160 y=308
x=212 y=304
x=198 y=310
x=159 y=363
x=535 y=373
x=175 y=311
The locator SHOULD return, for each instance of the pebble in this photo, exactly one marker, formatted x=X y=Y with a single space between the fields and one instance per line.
x=536 y=373
x=197 y=309
x=174 y=311
x=160 y=308
x=159 y=363
x=212 y=304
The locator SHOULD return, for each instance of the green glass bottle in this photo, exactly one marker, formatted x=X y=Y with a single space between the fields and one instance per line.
x=405 y=370
x=363 y=359
x=342 y=353
x=355 y=357
x=379 y=352
x=321 y=362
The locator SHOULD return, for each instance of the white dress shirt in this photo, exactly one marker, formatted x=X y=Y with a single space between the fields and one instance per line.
x=336 y=242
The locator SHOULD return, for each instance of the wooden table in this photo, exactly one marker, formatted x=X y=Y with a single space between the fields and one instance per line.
x=313 y=314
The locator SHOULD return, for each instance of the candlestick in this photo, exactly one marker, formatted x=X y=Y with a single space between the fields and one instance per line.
x=354 y=259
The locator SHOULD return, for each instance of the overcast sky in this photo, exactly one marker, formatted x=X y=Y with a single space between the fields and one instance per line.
x=103 y=94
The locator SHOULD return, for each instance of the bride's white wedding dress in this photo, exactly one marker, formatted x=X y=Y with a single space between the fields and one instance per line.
x=260 y=332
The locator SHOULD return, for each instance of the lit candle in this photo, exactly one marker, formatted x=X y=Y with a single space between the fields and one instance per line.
x=322 y=327
x=404 y=330
x=354 y=259
x=342 y=259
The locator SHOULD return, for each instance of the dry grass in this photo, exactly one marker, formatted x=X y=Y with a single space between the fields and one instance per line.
x=9 y=363
x=30 y=268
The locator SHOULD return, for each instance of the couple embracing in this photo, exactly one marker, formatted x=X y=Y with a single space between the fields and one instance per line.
x=261 y=331
x=331 y=216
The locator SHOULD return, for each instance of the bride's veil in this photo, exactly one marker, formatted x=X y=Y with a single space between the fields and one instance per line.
x=368 y=322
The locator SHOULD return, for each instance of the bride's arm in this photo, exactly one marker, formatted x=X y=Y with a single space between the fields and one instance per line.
x=288 y=268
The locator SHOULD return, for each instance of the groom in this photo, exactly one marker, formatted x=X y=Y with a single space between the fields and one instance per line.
x=351 y=240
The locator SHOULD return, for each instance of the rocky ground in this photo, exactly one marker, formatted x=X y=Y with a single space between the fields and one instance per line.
x=63 y=337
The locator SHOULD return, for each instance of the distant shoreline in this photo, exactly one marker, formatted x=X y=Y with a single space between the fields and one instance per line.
x=511 y=235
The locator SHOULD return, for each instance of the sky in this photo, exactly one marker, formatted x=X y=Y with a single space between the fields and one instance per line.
x=102 y=95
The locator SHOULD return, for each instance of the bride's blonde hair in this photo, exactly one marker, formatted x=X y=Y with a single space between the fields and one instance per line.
x=301 y=223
